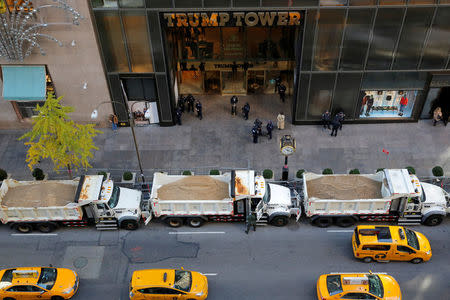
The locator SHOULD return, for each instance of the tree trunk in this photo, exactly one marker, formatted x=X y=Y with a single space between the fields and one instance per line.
x=69 y=170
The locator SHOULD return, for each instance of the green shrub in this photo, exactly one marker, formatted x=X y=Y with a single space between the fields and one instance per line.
x=327 y=171
x=127 y=176
x=300 y=173
x=411 y=170
x=380 y=169
x=103 y=173
x=267 y=174
x=438 y=171
x=38 y=174
x=3 y=175
x=187 y=173
x=354 y=171
x=214 y=172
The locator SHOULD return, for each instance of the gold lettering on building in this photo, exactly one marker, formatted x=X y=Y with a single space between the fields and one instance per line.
x=182 y=20
x=238 y=16
x=251 y=19
x=194 y=19
x=267 y=18
x=282 y=19
x=223 y=19
x=209 y=21
x=294 y=18
x=169 y=18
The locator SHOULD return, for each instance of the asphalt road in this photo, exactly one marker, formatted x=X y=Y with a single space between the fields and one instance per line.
x=271 y=263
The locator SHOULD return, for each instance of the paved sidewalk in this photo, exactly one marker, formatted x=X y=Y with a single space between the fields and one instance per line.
x=222 y=140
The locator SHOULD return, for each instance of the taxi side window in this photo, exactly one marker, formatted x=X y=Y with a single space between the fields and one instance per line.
x=159 y=291
x=376 y=247
x=405 y=249
x=358 y=296
x=22 y=288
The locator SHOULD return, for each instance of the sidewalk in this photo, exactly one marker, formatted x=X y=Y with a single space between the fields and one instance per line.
x=224 y=141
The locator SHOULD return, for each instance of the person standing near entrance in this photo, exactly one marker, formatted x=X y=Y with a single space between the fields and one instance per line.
x=178 y=114
x=198 y=107
x=282 y=92
x=335 y=124
x=246 y=110
x=280 y=121
x=269 y=128
x=251 y=222
x=277 y=83
x=114 y=121
x=190 y=103
x=233 y=101
x=255 y=134
x=181 y=103
x=326 y=119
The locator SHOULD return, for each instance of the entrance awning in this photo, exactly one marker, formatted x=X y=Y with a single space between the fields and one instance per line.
x=24 y=83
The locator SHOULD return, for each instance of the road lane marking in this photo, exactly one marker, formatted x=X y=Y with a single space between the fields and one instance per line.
x=197 y=232
x=34 y=234
x=209 y=274
x=339 y=230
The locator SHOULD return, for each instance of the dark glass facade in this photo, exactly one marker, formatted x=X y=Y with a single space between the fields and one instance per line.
x=345 y=52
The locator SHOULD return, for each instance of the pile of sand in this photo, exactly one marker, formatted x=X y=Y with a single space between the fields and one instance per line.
x=194 y=188
x=348 y=187
x=42 y=194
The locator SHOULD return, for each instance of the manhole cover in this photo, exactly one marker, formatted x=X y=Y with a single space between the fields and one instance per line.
x=80 y=262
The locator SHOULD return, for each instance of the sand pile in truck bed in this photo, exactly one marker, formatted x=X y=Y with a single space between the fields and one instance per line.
x=44 y=194
x=194 y=188
x=349 y=187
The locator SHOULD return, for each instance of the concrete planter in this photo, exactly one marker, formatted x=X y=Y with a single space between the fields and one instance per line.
x=45 y=177
x=132 y=180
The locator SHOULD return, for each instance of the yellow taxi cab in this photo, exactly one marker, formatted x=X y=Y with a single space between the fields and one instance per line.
x=170 y=284
x=385 y=243
x=375 y=286
x=38 y=283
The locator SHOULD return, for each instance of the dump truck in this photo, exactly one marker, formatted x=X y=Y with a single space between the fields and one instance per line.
x=391 y=195
x=48 y=204
x=230 y=197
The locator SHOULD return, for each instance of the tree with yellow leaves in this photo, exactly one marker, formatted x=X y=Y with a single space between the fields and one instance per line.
x=55 y=136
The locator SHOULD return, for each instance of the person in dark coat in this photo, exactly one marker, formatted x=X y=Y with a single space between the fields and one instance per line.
x=190 y=103
x=181 y=103
x=326 y=119
x=198 y=108
x=335 y=124
x=282 y=92
x=269 y=128
x=178 y=114
x=341 y=117
x=258 y=125
x=369 y=105
x=255 y=135
x=233 y=101
x=250 y=222
x=277 y=83
x=246 y=110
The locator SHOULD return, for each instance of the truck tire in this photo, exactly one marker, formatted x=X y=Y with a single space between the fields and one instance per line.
x=279 y=221
x=195 y=222
x=24 y=228
x=174 y=222
x=323 y=222
x=433 y=220
x=45 y=227
x=345 y=221
x=129 y=225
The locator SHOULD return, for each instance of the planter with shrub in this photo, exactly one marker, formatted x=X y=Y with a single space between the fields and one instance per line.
x=380 y=170
x=300 y=173
x=128 y=177
x=354 y=171
x=438 y=171
x=214 y=172
x=105 y=175
x=186 y=173
x=268 y=174
x=411 y=170
x=3 y=175
x=38 y=174
x=327 y=171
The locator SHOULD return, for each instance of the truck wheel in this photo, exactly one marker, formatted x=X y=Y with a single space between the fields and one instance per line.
x=174 y=222
x=367 y=259
x=345 y=222
x=433 y=220
x=24 y=228
x=323 y=222
x=129 y=225
x=417 y=260
x=195 y=222
x=279 y=221
x=45 y=227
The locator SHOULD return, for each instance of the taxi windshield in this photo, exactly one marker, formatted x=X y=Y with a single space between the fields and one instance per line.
x=334 y=284
x=266 y=197
x=412 y=239
x=375 y=285
x=183 y=280
x=47 y=278
x=114 y=197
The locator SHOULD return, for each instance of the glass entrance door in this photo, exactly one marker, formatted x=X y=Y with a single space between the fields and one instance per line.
x=233 y=83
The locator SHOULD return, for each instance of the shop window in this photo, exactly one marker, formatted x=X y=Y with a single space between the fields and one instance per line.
x=308 y=40
x=135 y=25
x=422 y=1
x=392 y=2
x=320 y=93
x=284 y=39
x=233 y=42
x=209 y=43
x=362 y=2
x=12 y=7
x=257 y=42
x=346 y=94
x=104 y=3
x=131 y=3
x=333 y=2
x=387 y=104
x=217 y=3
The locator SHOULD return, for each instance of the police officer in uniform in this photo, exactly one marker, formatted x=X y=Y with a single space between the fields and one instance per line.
x=251 y=221
x=198 y=107
x=233 y=101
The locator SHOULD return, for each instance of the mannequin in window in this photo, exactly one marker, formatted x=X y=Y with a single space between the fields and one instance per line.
x=403 y=104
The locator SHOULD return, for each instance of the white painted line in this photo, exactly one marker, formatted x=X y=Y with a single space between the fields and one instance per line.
x=209 y=274
x=34 y=234
x=340 y=230
x=197 y=232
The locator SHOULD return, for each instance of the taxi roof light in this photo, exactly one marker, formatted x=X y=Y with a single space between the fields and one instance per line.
x=355 y=280
x=25 y=273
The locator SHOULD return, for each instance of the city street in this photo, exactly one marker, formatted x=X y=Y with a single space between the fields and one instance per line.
x=271 y=263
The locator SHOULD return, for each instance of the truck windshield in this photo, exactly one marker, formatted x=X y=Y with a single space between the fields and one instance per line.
x=412 y=239
x=266 y=197
x=375 y=285
x=114 y=197
x=47 y=278
x=183 y=280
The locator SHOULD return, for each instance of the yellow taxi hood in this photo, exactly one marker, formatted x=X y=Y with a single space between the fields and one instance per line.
x=65 y=279
x=153 y=277
x=424 y=244
x=322 y=286
x=199 y=282
x=390 y=287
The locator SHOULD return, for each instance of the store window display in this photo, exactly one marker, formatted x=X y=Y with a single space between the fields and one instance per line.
x=387 y=104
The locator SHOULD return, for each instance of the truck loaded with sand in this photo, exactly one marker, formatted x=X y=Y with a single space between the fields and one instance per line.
x=392 y=195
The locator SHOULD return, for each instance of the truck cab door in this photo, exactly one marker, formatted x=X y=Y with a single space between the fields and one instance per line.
x=412 y=205
x=260 y=208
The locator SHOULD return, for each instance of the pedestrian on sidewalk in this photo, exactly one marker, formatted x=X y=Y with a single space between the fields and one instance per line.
x=326 y=119
x=335 y=124
x=198 y=107
x=437 y=115
x=233 y=101
x=269 y=128
x=178 y=116
x=280 y=121
x=114 y=121
x=181 y=103
x=340 y=116
x=282 y=92
x=250 y=222
x=277 y=83
x=190 y=103
x=255 y=135
x=258 y=125
x=246 y=110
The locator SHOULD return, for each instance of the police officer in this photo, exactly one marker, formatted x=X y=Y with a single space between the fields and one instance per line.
x=233 y=101
x=326 y=119
x=258 y=125
x=277 y=83
x=335 y=124
x=246 y=110
x=341 y=117
x=181 y=103
x=282 y=92
x=269 y=128
x=251 y=221
x=190 y=103
x=178 y=115
x=255 y=135
x=198 y=108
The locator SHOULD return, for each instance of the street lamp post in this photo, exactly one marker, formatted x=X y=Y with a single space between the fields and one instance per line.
x=130 y=119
